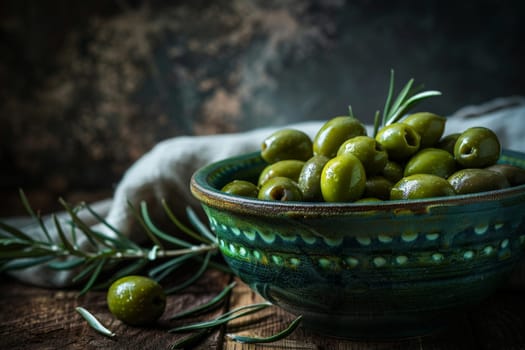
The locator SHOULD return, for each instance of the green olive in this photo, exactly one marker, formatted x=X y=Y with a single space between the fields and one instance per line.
x=280 y=189
x=284 y=168
x=515 y=175
x=431 y=161
x=334 y=132
x=420 y=186
x=393 y=171
x=377 y=187
x=447 y=143
x=241 y=188
x=310 y=178
x=428 y=125
x=286 y=144
x=136 y=300
x=473 y=180
x=399 y=140
x=343 y=179
x=477 y=147
x=368 y=151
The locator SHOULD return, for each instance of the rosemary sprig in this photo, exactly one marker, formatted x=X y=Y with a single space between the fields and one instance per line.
x=18 y=250
x=407 y=98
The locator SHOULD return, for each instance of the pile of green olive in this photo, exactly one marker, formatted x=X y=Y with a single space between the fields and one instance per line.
x=408 y=159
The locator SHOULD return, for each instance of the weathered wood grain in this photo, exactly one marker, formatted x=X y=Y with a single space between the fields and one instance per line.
x=35 y=318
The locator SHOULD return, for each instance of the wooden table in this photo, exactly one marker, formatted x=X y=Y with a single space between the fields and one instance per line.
x=36 y=318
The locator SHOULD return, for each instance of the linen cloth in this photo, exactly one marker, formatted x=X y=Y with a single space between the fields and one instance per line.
x=166 y=170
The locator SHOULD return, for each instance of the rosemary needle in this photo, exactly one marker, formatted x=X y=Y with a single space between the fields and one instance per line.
x=273 y=338
x=207 y=306
x=94 y=322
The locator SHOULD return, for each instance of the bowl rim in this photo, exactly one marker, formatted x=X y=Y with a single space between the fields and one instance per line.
x=213 y=197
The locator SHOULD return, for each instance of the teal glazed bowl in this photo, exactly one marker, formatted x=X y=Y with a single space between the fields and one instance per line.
x=376 y=270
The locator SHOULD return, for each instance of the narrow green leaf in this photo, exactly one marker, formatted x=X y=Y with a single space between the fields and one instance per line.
x=224 y=318
x=27 y=207
x=270 y=339
x=82 y=226
x=193 y=278
x=73 y=230
x=130 y=269
x=399 y=101
x=15 y=231
x=9 y=246
x=24 y=263
x=197 y=223
x=140 y=219
x=93 y=322
x=214 y=302
x=376 y=123
x=412 y=101
x=159 y=233
x=256 y=306
x=96 y=272
x=124 y=241
x=67 y=264
x=190 y=341
x=162 y=270
x=350 y=112
x=180 y=225
x=67 y=245
x=90 y=266
x=27 y=252
x=93 y=236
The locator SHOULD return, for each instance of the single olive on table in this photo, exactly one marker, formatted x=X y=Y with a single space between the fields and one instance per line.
x=405 y=159
x=136 y=300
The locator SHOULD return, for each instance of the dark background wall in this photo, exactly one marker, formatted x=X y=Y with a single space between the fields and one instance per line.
x=88 y=87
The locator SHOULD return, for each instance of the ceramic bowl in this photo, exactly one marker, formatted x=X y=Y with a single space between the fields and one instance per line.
x=377 y=270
